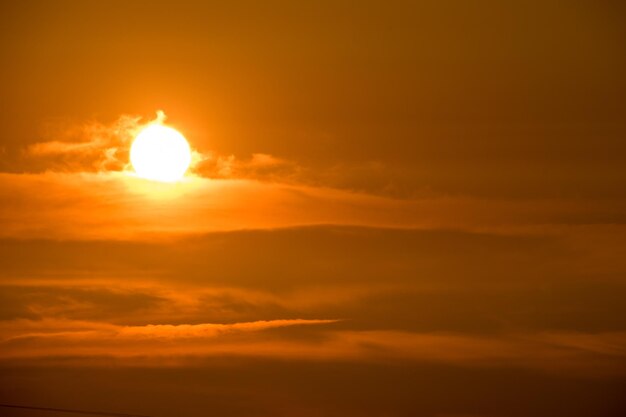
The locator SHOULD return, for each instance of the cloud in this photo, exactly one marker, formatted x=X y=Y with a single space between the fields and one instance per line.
x=90 y=147
x=96 y=147
x=58 y=337
x=405 y=297
x=260 y=166
x=409 y=280
x=599 y=354
x=55 y=329
x=88 y=191
x=102 y=148
x=96 y=263
x=121 y=206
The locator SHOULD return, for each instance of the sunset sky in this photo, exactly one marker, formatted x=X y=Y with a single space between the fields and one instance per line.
x=392 y=208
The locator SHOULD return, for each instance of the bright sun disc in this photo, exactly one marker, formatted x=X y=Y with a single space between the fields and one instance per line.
x=160 y=153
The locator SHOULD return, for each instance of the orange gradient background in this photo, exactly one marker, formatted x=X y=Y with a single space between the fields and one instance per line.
x=392 y=209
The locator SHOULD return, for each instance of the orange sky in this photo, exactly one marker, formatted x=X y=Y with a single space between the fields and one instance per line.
x=394 y=208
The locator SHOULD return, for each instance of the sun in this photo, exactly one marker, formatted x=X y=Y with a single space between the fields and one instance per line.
x=160 y=153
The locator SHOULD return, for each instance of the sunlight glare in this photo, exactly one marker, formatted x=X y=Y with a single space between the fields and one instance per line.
x=160 y=153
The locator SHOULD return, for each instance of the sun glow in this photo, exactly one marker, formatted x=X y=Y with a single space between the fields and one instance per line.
x=160 y=153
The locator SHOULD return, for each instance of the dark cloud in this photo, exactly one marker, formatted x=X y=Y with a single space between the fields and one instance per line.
x=78 y=303
x=397 y=289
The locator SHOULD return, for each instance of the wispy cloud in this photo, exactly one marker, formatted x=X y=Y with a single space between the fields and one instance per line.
x=589 y=353
x=89 y=147
x=102 y=148
x=69 y=329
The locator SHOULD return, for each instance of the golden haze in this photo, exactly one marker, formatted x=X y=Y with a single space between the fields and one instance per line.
x=398 y=208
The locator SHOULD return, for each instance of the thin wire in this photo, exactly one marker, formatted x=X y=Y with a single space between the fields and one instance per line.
x=64 y=410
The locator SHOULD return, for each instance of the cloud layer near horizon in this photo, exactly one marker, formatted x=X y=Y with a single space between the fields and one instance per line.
x=92 y=344
x=418 y=296
x=262 y=261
